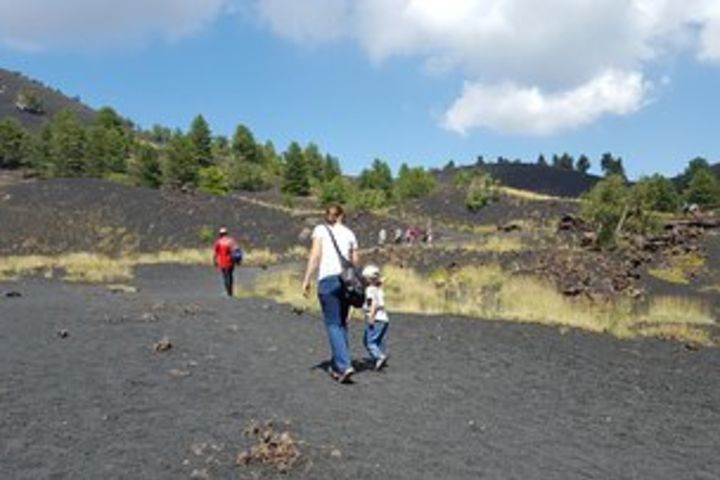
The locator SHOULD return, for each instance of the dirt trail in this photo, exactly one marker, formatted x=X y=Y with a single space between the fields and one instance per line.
x=460 y=399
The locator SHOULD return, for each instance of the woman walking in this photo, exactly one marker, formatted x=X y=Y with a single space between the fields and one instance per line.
x=325 y=258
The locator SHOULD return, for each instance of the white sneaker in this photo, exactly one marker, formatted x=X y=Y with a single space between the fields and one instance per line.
x=380 y=362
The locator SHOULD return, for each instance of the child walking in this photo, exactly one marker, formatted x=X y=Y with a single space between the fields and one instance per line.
x=376 y=318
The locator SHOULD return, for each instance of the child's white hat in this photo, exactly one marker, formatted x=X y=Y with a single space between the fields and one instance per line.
x=371 y=271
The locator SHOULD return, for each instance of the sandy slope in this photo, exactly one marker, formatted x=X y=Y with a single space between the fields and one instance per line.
x=461 y=398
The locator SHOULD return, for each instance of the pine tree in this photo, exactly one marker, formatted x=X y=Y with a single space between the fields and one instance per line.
x=14 y=144
x=180 y=167
x=67 y=149
x=296 y=180
x=201 y=138
x=703 y=189
x=583 y=164
x=244 y=147
x=145 y=169
x=315 y=161
x=377 y=177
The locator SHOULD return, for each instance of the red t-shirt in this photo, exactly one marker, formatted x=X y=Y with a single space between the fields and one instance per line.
x=223 y=252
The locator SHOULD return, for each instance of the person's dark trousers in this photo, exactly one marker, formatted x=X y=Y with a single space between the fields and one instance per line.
x=227 y=274
x=335 y=312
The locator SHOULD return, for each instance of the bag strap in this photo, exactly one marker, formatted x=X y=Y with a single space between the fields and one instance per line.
x=337 y=248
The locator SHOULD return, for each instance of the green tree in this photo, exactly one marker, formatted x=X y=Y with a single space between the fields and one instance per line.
x=109 y=119
x=583 y=164
x=656 y=193
x=160 y=134
x=377 y=177
x=244 y=146
x=296 y=179
x=144 y=168
x=413 y=182
x=107 y=150
x=694 y=165
x=201 y=138
x=14 y=144
x=703 y=189
x=213 y=180
x=605 y=206
x=565 y=161
x=370 y=200
x=67 y=146
x=541 y=160
x=250 y=177
x=180 y=167
x=331 y=168
x=611 y=165
x=315 y=161
x=337 y=190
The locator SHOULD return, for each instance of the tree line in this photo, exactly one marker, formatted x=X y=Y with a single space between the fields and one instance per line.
x=609 y=164
x=111 y=147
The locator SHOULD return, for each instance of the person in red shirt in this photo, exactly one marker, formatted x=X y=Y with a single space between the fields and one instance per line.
x=223 y=258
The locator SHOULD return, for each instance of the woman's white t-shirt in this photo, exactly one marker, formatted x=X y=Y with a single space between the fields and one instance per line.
x=329 y=260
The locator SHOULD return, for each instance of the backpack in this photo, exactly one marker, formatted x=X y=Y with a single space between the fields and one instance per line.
x=351 y=278
x=237 y=255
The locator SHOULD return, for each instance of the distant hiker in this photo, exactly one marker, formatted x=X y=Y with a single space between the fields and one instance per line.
x=382 y=237
x=327 y=239
x=226 y=254
x=376 y=317
x=398 y=238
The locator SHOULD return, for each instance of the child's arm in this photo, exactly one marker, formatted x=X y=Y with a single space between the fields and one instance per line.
x=372 y=312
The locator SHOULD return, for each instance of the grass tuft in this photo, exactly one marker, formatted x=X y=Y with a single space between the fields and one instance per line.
x=680 y=269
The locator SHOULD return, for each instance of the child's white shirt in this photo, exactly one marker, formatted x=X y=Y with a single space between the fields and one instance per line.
x=376 y=295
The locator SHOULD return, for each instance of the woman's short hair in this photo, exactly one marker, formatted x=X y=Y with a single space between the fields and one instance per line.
x=333 y=212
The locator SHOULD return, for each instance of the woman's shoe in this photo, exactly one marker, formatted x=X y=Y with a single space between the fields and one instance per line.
x=345 y=377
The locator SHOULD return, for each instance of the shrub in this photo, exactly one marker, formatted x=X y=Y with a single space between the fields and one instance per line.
x=657 y=193
x=213 y=180
x=413 y=182
x=481 y=191
x=121 y=178
x=337 y=190
x=605 y=206
x=206 y=235
x=703 y=189
x=251 y=177
x=370 y=200
x=463 y=178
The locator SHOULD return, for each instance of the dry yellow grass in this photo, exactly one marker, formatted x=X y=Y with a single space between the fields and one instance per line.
x=489 y=292
x=680 y=269
x=533 y=196
x=95 y=268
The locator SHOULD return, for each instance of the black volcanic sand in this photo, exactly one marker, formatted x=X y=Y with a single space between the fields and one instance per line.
x=82 y=214
x=91 y=215
x=460 y=399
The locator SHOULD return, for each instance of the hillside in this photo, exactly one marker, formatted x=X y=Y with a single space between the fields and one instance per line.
x=11 y=83
x=556 y=182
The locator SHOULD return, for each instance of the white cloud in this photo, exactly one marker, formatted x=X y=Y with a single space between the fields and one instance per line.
x=710 y=35
x=307 y=20
x=551 y=53
x=521 y=110
x=92 y=24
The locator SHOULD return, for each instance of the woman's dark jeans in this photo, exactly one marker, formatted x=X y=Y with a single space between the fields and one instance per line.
x=335 y=311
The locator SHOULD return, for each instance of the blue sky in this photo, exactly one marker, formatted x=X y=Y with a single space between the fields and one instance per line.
x=405 y=92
